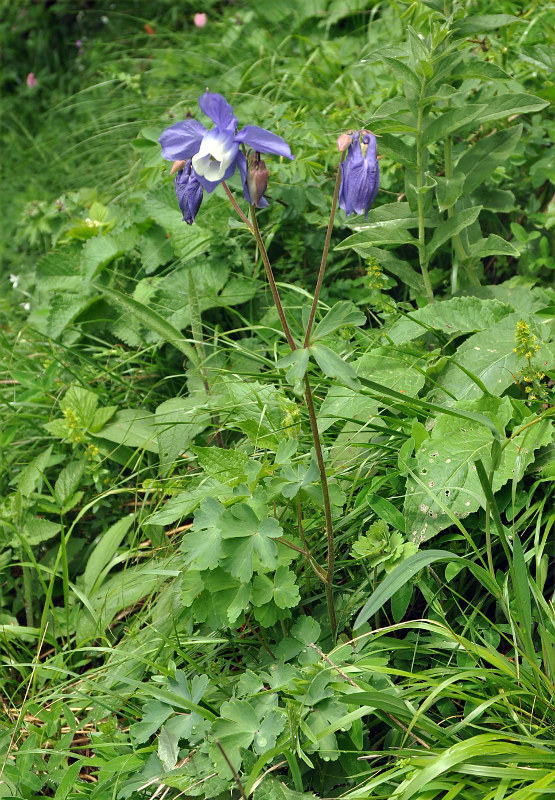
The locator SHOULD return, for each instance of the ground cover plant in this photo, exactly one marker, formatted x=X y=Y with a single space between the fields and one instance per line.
x=277 y=485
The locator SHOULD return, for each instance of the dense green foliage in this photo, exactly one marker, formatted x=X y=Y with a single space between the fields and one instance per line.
x=172 y=620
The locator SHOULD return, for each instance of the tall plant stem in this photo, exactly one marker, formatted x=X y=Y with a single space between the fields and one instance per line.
x=236 y=207
x=324 y=257
x=198 y=336
x=271 y=280
x=420 y=203
x=330 y=559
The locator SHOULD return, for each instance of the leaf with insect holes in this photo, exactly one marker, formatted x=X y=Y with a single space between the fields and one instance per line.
x=445 y=475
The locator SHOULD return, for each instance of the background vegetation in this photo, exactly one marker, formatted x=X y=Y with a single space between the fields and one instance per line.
x=164 y=630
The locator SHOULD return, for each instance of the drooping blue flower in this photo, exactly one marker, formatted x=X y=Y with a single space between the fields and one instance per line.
x=188 y=191
x=216 y=153
x=360 y=175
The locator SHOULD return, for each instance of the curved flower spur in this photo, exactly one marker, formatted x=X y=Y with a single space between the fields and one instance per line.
x=205 y=158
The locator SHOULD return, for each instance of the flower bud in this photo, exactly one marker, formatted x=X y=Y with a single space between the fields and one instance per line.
x=189 y=192
x=176 y=166
x=343 y=142
x=257 y=180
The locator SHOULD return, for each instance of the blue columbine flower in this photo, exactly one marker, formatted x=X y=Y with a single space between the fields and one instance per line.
x=360 y=175
x=215 y=153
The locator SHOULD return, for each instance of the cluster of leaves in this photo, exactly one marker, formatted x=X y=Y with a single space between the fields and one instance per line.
x=162 y=546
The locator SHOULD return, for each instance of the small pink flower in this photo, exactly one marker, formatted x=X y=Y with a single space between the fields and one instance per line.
x=200 y=20
x=31 y=80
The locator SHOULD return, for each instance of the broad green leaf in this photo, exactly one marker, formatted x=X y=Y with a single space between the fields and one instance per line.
x=178 y=421
x=154 y=714
x=486 y=70
x=274 y=789
x=391 y=232
x=494 y=199
x=451 y=227
x=445 y=466
x=185 y=502
x=400 y=575
x=79 y=406
x=490 y=356
x=281 y=588
x=304 y=632
x=522 y=298
x=507 y=105
x=400 y=213
x=403 y=72
x=334 y=366
x=68 y=481
x=297 y=363
x=59 y=271
x=151 y=320
x=30 y=477
x=168 y=748
x=101 y=417
x=240 y=726
x=225 y=465
x=104 y=552
x=479 y=161
x=342 y=313
x=397 y=150
x=36 y=530
x=244 y=535
x=98 y=252
x=449 y=122
x=342 y=403
x=480 y=23
x=393 y=368
x=133 y=428
x=448 y=190
x=202 y=545
x=457 y=315
x=493 y=246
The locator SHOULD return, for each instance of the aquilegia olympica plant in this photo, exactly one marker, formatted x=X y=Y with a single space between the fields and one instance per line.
x=204 y=158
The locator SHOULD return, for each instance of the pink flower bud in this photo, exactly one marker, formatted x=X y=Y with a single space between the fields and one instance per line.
x=176 y=166
x=200 y=20
x=343 y=142
x=31 y=80
x=257 y=180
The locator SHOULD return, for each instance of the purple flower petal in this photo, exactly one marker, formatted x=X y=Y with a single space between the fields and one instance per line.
x=182 y=140
x=263 y=141
x=218 y=109
x=243 y=169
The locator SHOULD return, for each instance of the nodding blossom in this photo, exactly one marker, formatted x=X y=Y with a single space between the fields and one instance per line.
x=360 y=174
x=188 y=191
x=200 y=20
x=216 y=153
x=31 y=80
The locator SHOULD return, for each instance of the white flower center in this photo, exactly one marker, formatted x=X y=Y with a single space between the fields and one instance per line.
x=217 y=152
